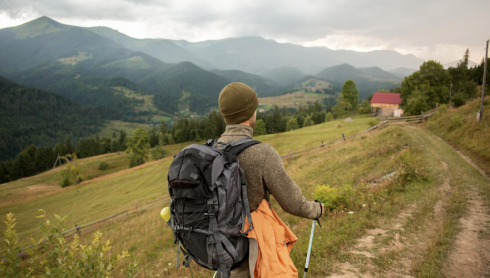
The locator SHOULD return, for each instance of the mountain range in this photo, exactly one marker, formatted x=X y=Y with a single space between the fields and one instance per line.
x=86 y=64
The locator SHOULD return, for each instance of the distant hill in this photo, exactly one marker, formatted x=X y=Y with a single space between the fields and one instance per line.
x=76 y=62
x=164 y=50
x=284 y=75
x=33 y=116
x=368 y=80
x=378 y=73
x=44 y=40
x=402 y=72
x=262 y=86
x=255 y=55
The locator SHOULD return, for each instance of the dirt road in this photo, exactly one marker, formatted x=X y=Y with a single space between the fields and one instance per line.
x=405 y=246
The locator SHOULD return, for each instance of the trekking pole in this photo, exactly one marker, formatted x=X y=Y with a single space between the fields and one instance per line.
x=309 y=248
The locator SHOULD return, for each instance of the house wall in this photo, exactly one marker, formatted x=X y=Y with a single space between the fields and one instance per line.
x=385 y=109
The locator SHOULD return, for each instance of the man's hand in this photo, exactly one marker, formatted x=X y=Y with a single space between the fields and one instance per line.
x=323 y=209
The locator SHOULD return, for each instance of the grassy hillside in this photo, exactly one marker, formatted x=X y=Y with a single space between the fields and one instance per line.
x=99 y=197
x=362 y=163
x=459 y=127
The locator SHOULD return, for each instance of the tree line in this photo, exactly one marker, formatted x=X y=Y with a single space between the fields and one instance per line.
x=36 y=159
x=431 y=84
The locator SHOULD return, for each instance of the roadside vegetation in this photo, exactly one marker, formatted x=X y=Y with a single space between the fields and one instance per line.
x=370 y=181
x=460 y=128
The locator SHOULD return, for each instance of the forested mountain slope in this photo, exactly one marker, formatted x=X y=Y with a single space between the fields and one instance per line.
x=33 y=116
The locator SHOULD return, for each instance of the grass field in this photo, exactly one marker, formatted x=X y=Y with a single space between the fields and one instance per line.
x=410 y=224
x=116 y=126
x=291 y=100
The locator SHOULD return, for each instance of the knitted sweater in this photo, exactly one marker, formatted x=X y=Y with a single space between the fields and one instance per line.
x=264 y=169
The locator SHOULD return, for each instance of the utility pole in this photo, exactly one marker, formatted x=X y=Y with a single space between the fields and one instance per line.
x=450 y=93
x=483 y=84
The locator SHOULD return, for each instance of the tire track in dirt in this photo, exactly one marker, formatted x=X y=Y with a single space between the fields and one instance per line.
x=470 y=256
x=400 y=254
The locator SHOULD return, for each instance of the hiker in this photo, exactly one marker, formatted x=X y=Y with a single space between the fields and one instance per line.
x=271 y=240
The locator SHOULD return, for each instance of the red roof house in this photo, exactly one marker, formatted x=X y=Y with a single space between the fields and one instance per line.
x=386 y=104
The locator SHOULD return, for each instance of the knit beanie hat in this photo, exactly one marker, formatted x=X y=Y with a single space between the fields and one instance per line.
x=237 y=103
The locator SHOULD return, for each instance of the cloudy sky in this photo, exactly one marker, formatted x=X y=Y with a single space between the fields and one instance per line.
x=440 y=30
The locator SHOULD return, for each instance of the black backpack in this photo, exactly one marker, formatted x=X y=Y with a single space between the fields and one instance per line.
x=209 y=204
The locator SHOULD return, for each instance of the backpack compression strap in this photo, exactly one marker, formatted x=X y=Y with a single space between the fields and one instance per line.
x=235 y=149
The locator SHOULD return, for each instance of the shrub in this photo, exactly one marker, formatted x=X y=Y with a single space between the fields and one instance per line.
x=158 y=153
x=328 y=117
x=456 y=122
x=103 y=166
x=410 y=169
x=334 y=197
x=458 y=100
x=56 y=257
x=373 y=122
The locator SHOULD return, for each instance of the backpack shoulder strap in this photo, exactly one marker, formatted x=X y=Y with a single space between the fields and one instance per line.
x=242 y=144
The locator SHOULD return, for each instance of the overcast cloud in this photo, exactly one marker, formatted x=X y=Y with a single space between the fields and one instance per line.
x=440 y=30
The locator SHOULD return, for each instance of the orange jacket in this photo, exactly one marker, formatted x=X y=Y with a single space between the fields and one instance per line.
x=275 y=241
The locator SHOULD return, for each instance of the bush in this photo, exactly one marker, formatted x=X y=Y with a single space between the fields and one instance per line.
x=373 y=122
x=456 y=122
x=334 y=197
x=66 y=182
x=103 y=166
x=56 y=257
x=410 y=169
x=458 y=100
x=328 y=117
x=158 y=153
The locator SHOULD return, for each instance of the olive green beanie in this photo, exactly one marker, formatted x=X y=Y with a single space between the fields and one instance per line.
x=237 y=103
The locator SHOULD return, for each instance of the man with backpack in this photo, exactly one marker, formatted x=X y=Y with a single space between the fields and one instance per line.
x=265 y=174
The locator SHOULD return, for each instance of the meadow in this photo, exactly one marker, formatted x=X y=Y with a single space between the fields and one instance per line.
x=395 y=219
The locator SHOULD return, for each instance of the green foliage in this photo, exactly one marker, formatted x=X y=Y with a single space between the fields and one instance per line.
x=33 y=116
x=410 y=168
x=334 y=197
x=456 y=122
x=328 y=117
x=342 y=109
x=373 y=122
x=308 y=122
x=138 y=146
x=431 y=84
x=57 y=257
x=458 y=100
x=158 y=153
x=259 y=128
x=416 y=103
x=103 y=166
x=350 y=93
x=72 y=173
x=365 y=107
x=292 y=124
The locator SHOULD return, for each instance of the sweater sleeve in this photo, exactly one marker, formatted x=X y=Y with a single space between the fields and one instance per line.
x=285 y=190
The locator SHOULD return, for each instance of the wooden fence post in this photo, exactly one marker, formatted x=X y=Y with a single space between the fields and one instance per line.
x=343 y=136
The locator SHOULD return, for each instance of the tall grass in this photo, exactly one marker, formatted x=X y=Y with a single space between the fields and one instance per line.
x=459 y=127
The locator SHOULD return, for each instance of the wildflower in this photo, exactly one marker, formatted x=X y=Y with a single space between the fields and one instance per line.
x=363 y=205
x=169 y=264
x=350 y=212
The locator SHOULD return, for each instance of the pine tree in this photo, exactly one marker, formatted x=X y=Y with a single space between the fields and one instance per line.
x=69 y=147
